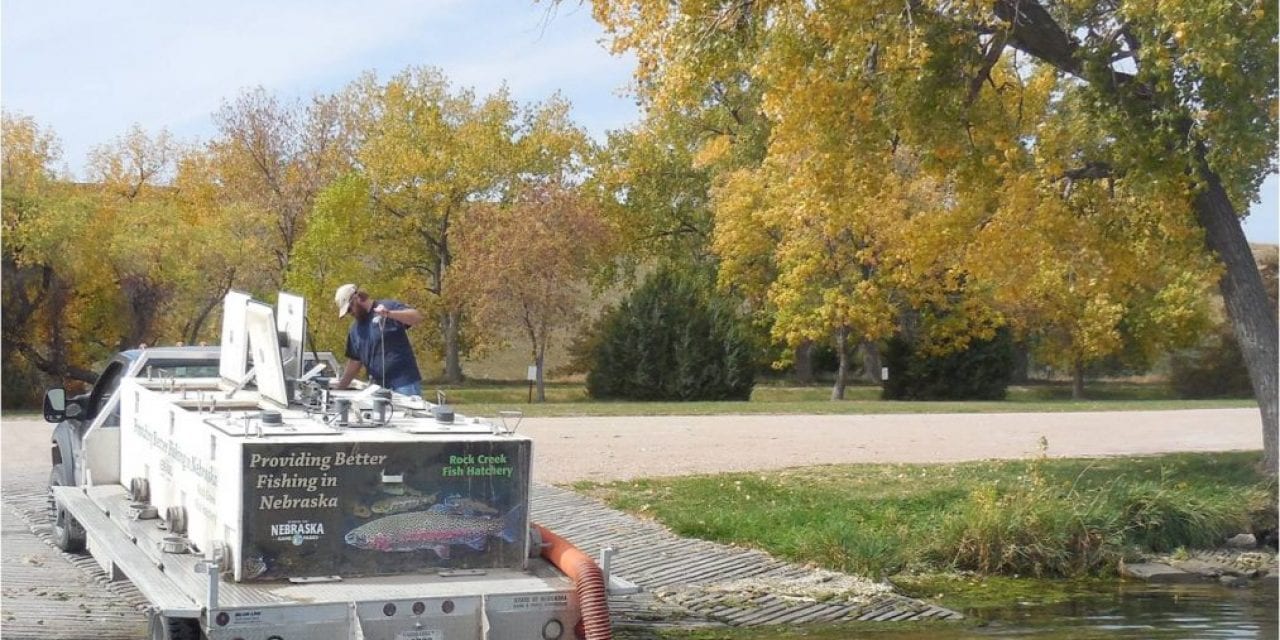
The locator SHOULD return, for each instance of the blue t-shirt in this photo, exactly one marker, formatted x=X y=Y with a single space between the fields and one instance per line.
x=365 y=343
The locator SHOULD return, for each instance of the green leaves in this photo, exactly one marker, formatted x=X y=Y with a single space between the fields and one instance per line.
x=947 y=159
x=672 y=341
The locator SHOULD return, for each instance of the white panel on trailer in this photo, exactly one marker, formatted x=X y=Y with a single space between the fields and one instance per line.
x=172 y=449
x=291 y=320
x=264 y=345
x=233 y=361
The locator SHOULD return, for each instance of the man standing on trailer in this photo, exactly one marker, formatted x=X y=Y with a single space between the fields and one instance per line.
x=379 y=340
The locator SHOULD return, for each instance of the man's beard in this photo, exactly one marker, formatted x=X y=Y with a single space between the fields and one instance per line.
x=358 y=311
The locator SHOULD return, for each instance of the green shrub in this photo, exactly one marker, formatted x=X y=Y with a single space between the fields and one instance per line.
x=1214 y=369
x=981 y=371
x=671 y=340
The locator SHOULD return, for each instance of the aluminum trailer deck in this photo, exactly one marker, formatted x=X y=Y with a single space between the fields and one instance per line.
x=488 y=603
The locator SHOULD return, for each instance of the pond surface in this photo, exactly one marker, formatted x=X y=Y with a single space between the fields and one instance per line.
x=1127 y=610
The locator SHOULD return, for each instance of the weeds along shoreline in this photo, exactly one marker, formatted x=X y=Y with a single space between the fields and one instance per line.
x=1044 y=518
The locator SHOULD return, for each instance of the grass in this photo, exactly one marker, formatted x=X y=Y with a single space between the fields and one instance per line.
x=1033 y=517
x=570 y=399
x=487 y=397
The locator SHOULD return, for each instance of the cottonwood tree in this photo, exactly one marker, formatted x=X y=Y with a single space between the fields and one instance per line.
x=138 y=237
x=1181 y=95
x=221 y=240
x=173 y=235
x=276 y=156
x=426 y=153
x=43 y=227
x=1082 y=289
x=339 y=246
x=526 y=265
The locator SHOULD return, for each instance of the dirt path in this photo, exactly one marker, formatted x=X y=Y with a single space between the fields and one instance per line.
x=616 y=448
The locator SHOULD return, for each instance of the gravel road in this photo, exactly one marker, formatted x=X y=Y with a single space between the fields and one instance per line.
x=619 y=448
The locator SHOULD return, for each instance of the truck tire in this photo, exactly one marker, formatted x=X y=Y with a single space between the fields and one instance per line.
x=68 y=535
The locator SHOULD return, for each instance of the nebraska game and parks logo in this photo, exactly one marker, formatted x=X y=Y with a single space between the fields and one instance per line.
x=297 y=531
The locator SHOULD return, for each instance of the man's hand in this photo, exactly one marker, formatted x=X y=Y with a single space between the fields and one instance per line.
x=406 y=316
x=348 y=374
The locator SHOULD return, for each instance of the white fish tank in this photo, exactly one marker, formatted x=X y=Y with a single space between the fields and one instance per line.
x=287 y=479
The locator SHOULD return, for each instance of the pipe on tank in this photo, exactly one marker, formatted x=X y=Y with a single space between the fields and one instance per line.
x=588 y=582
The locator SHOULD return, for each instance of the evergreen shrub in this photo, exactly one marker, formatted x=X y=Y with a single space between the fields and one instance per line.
x=672 y=340
x=981 y=371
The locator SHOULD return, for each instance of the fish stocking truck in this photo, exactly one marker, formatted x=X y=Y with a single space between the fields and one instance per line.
x=247 y=500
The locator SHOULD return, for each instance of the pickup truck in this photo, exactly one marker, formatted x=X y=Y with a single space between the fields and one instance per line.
x=98 y=410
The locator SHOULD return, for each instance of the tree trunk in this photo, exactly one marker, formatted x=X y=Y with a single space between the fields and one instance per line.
x=193 y=334
x=842 y=372
x=541 y=394
x=1021 y=364
x=450 y=322
x=871 y=361
x=1252 y=316
x=58 y=295
x=803 y=369
x=143 y=299
x=1077 y=380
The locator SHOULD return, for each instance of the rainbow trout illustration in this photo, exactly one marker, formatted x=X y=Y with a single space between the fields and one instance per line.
x=436 y=531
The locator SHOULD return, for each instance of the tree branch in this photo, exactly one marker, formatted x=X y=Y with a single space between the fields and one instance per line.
x=44 y=364
x=1093 y=170
x=1035 y=32
x=989 y=60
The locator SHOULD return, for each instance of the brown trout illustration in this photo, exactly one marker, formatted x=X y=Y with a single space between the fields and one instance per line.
x=458 y=505
x=436 y=531
x=400 y=504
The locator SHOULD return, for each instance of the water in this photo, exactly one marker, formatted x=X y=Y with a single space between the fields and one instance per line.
x=1093 y=611
x=1126 y=610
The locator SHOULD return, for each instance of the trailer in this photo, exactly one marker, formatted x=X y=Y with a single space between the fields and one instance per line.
x=246 y=499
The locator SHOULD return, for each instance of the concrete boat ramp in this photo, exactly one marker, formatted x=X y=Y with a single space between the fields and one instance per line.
x=683 y=582
x=690 y=582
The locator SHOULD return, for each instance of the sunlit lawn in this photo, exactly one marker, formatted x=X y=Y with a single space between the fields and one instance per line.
x=570 y=399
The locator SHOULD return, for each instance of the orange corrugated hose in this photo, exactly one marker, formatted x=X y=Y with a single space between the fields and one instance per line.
x=588 y=582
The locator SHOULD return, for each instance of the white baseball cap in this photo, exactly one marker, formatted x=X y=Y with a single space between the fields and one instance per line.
x=345 y=294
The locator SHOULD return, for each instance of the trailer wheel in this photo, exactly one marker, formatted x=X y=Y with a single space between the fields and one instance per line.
x=68 y=535
x=165 y=628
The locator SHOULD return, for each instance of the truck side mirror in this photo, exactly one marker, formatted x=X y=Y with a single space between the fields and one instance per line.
x=55 y=405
